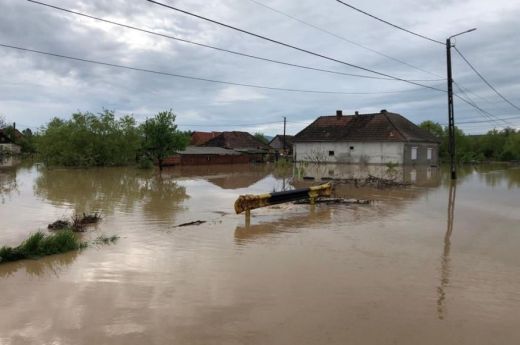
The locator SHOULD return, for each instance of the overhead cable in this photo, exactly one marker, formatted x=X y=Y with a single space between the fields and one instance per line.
x=213 y=47
x=388 y=23
x=485 y=80
x=330 y=33
x=292 y=46
x=193 y=77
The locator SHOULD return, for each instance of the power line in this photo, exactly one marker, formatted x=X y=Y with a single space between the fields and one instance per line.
x=479 y=109
x=487 y=121
x=195 y=78
x=388 y=23
x=470 y=101
x=212 y=47
x=291 y=46
x=485 y=80
x=350 y=41
x=235 y=125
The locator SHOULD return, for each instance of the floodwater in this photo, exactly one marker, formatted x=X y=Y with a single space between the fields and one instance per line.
x=432 y=263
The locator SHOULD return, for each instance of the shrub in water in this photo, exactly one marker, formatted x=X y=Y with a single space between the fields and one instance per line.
x=39 y=244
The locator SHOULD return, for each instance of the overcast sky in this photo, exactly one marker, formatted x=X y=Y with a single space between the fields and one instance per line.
x=34 y=88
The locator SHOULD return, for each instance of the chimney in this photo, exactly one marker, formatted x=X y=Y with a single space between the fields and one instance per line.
x=339 y=113
x=383 y=111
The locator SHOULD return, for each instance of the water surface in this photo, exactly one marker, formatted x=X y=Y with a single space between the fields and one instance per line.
x=432 y=263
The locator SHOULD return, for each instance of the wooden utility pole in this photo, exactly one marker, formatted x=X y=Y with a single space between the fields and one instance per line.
x=284 y=125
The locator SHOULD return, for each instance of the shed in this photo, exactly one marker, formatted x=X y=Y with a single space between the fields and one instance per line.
x=243 y=142
x=199 y=155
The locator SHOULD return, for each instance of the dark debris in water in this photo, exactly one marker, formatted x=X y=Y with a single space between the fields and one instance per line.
x=197 y=222
x=77 y=223
x=333 y=201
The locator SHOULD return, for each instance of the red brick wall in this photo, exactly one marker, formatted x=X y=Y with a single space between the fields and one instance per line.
x=172 y=160
x=213 y=159
x=206 y=159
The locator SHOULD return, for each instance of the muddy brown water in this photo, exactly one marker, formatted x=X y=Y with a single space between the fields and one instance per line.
x=427 y=264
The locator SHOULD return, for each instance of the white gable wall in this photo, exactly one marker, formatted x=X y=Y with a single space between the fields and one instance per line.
x=341 y=152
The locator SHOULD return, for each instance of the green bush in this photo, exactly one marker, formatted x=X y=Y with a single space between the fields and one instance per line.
x=145 y=163
x=39 y=244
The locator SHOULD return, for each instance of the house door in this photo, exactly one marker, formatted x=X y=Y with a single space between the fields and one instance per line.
x=429 y=153
x=414 y=153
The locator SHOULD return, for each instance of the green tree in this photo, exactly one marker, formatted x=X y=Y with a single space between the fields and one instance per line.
x=27 y=142
x=88 y=139
x=433 y=127
x=262 y=138
x=161 y=137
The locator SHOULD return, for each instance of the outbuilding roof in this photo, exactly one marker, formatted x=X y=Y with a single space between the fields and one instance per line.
x=383 y=126
x=279 y=138
x=236 y=140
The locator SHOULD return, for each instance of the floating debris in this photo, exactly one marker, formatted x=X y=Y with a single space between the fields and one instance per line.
x=89 y=218
x=106 y=239
x=197 y=222
x=59 y=225
x=77 y=222
x=372 y=181
x=332 y=201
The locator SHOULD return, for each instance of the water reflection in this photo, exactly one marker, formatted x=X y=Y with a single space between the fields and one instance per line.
x=9 y=162
x=418 y=176
x=306 y=217
x=106 y=189
x=224 y=176
x=49 y=265
x=162 y=197
x=445 y=259
x=8 y=183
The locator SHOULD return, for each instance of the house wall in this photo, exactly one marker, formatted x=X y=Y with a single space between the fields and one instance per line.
x=277 y=144
x=422 y=151
x=10 y=148
x=367 y=153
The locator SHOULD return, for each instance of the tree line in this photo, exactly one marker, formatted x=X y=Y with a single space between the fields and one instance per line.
x=88 y=139
x=495 y=145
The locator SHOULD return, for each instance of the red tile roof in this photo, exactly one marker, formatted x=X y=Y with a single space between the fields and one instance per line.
x=236 y=140
x=383 y=126
x=199 y=138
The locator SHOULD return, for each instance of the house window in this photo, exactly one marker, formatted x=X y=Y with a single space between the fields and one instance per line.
x=429 y=153
x=331 y=153
x=352 y=148
x=414 y=153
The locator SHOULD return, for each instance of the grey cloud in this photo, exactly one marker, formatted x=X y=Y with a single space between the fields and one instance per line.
x=35 y=87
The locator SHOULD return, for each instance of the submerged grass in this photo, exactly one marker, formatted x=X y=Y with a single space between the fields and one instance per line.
x=106 y=239
x=39 y=244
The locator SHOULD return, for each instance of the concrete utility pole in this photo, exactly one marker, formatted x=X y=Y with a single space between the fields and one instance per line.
x=451 y=113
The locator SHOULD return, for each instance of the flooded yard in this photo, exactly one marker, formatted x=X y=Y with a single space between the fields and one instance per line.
x=432 y=263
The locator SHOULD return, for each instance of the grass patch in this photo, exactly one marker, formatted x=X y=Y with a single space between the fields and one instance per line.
x=39 y=244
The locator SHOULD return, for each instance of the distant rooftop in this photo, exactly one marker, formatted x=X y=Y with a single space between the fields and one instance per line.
x=236 y=140
x=199 y=138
